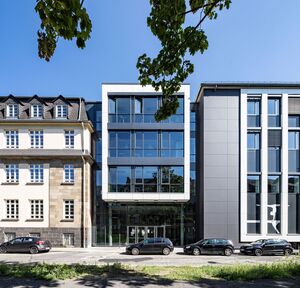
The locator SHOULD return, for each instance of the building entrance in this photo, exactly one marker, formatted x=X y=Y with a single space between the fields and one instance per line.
x=139 y=233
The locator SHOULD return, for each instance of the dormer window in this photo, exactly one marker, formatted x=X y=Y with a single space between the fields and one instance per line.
x=36 y=111
x=12 y=111
x=61 y=112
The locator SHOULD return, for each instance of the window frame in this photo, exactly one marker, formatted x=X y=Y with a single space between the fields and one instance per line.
x=12 y=139
x=12 y=111
x=69 y=209
x=61 y=111
x=12 y=209
x=36 y=139
x=36 y=209
x=12 y=173
x=69 y=139
x=69 y=173
x=36 y=173
x=36 y=111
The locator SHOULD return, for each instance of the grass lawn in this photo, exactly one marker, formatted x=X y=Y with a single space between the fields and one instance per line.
x=280 y=270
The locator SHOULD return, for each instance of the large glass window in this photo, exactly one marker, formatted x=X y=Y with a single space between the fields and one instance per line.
x=274 y=112
x=294 y=205
x=147 y=179
x=253 y=112
x=253 y=204
x=146 y=144
x=119 y=109
x=253 y=152
x=274 y=204
x=150 y=178
x=172 y=179
x=294 y=157
x=123 y=109
x=119 y=179
x=172 y=144
x=119 y=144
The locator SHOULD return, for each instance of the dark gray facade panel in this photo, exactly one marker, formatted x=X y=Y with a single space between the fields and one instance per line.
x=294 y=105
x=219 y=155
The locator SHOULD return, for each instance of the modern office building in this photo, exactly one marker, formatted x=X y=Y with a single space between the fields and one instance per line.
x=45 y=169
x=248 y=152
x=144 y=182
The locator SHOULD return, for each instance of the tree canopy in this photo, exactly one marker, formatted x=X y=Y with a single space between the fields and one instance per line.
x=68 y=19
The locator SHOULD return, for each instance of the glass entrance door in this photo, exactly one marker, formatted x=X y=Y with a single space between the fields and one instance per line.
x=139 y=233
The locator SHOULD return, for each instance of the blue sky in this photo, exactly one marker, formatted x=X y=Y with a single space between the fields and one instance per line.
x=253 y=41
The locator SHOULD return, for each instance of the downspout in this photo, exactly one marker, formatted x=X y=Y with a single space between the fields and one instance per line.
x=83 y=234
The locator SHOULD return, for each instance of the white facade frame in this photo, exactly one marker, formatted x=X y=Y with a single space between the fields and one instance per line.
x=263 y=94
x=135 y=89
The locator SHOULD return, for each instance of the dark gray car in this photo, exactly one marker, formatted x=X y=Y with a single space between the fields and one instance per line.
x=33 y=245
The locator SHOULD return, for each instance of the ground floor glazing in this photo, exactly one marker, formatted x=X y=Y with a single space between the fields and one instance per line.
x=120 y=224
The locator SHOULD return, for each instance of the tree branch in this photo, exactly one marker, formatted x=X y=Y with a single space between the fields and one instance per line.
x=202 y=6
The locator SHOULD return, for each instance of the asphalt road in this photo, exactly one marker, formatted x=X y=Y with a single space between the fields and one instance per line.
x=109 y=255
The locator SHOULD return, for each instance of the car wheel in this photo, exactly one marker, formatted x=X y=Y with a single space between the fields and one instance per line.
x=166 y=251
x=227 y=252
x=3 y=249
x=33 y=250
x=135 y=251
x=287 y=252
x=196 y=251
x=257 y=252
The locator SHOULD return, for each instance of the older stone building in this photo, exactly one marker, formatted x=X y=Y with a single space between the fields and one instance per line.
x=45 y=169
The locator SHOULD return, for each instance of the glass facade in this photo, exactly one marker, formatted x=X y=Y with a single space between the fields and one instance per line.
x=151 y=179
x=140 y=109
x=120 y=223
x=146 y=144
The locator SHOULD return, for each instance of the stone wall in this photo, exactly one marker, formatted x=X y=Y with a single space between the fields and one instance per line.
x=54 y=235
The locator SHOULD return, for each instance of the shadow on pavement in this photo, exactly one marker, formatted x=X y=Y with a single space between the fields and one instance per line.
x=30 y=283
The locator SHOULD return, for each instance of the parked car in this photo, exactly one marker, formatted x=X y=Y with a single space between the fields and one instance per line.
x=151 y=246
x=267 y=247
x=210 y=246
x=32 y=245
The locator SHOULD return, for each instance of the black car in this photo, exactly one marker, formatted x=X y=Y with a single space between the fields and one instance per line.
x=32 y=245
x=210 y=246
x=151 y=246
x=267 y=247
